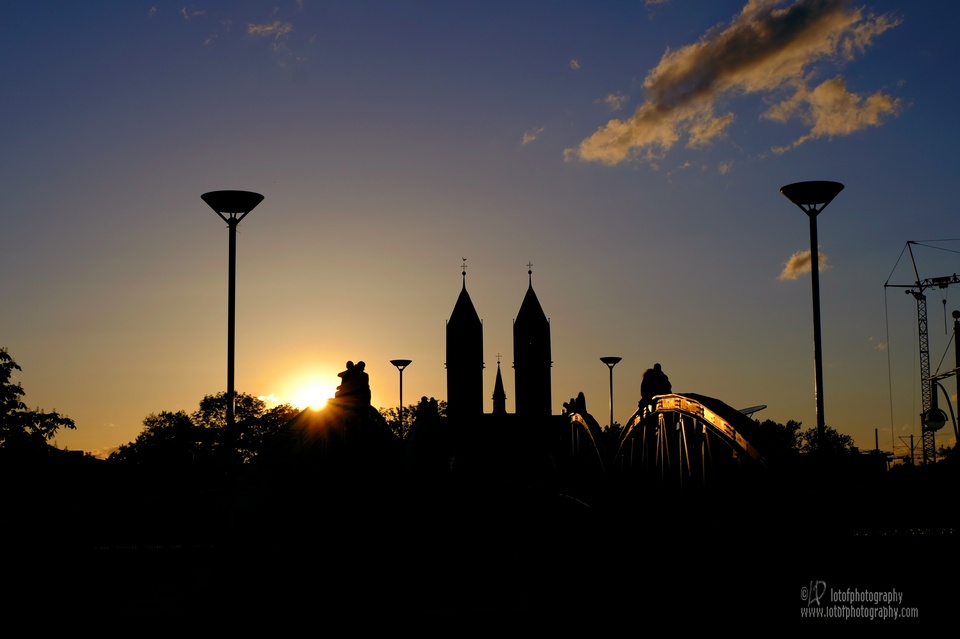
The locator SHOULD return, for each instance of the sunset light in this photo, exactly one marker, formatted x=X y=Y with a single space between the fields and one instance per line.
x=312 y=394
x=439 y=226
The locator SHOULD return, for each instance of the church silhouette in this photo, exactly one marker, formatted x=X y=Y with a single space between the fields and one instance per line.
x=531 y=452
x=532 y=361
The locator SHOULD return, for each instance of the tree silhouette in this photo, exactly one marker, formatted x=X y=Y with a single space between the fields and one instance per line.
x=776 y=440
x=169 y=439
x=833 y=441
x=203 y=437
x=19 y=427
x=410 y=413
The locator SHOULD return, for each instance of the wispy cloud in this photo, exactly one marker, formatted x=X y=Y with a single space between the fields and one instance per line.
x=879 y=346
x=189 y=14
x=278 y=32
x=532 y=134
x=152 y=12
x=574 y=64
x=770 y=50
x=275 y=29
x=800 y=263
x=615 y=101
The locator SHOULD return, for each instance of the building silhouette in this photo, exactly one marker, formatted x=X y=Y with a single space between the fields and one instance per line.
x=464 y=358
x=531 y=356
x=531 y=352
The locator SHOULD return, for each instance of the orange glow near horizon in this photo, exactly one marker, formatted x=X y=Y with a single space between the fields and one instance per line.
x=312 y=394
x=308 y=387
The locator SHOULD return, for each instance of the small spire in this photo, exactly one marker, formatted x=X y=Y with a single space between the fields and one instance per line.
x=463 y=270
x=530 y=273
x=499 y=396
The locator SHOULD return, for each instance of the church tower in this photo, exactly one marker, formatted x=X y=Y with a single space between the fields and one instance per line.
x=531 y=356
x=464 y=357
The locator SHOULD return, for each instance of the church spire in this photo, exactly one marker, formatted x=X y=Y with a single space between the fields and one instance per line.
x=499 y=395
x=464 y=355
x=531 y=355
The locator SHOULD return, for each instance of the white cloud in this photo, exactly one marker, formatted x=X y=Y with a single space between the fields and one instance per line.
x=769 y=50
x=831 y=110
x=615 y=101
x=800 y=263
x=531 y=135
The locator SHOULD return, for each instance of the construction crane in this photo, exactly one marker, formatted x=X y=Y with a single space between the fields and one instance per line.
x=930 y=418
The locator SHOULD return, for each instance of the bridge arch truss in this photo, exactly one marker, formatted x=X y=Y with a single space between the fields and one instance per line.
x=688 y=442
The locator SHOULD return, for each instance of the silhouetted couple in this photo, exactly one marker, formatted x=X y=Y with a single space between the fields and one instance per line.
x=355 y=387
x=576 y=404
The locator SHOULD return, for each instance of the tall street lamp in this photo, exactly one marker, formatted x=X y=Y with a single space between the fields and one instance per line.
x=401 y=364
x=956 y=355
x=231 y=206
x=812 y=198
x=611 y=362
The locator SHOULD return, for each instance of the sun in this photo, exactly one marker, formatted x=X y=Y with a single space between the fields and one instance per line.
x=312 y=394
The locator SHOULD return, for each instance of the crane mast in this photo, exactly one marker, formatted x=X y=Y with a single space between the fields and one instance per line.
x=917 y=289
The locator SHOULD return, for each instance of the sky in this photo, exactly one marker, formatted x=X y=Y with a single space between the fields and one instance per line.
x=632 y=152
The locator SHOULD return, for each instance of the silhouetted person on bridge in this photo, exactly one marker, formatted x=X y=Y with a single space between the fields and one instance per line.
x=655 y=382
x=576 y=404
x=355 y=387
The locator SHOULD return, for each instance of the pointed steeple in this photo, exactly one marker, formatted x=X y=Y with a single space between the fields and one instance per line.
x=464 y=356
x=499 y=395
x=531 y=355
x=530 y=310
x=463 y=310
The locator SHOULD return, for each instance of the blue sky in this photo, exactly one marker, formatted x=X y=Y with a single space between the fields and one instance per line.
x=632 y=152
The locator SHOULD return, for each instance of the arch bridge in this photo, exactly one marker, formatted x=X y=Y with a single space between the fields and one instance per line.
x=688 y=442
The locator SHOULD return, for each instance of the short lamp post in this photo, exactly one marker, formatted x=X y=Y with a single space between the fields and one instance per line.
x=401 y=364
x=611 y=362
x=231 y=206
x=812 y=198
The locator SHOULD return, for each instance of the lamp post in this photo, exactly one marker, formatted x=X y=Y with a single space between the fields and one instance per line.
x=231 y=206
x=812 y=198
x=611 y=362
x=401 y=364
x=956 y=355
